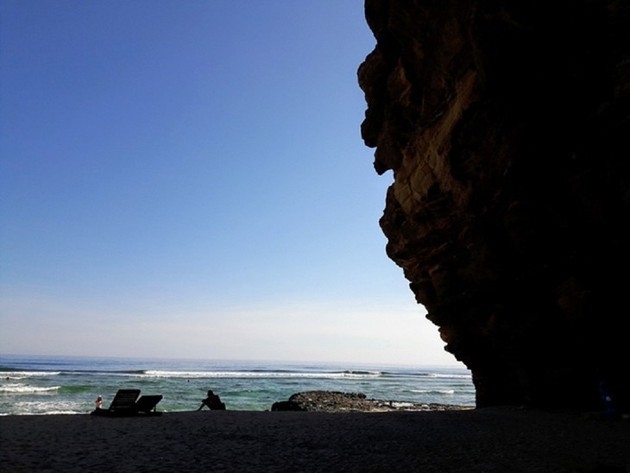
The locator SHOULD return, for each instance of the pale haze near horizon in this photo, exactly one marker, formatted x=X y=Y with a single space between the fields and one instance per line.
x=187 y=179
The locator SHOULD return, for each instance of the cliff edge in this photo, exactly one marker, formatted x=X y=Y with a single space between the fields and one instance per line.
x=506 y=126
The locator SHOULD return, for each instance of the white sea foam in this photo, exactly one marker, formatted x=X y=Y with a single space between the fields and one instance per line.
x=433 y=391
x=16 y=388
x=255 y=374
x=449 y=376
x=47 y=407
x=402 y=404
x=17 y=375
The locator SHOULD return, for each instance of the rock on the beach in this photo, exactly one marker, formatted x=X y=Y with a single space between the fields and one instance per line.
x=286 y=406
x=331 y=401
x=335 y=401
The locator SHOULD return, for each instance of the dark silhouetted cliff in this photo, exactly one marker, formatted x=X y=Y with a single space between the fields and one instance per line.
x=506 y=126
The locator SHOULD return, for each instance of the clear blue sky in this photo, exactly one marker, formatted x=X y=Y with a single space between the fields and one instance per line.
x=186 y=178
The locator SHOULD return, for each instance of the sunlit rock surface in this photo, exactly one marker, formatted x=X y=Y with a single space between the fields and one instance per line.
x=335 y=401
x=506 y=126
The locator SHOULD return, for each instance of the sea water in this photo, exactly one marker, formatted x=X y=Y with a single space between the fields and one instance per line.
x=70 y=385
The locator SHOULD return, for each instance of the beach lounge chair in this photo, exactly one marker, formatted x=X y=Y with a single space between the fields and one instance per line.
x=146 y=404
x=123 y=404
x=127 y=403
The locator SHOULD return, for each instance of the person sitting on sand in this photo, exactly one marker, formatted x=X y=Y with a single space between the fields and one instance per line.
x=213 y=402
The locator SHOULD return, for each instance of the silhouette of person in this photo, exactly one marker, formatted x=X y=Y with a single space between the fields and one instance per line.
x=212 y=402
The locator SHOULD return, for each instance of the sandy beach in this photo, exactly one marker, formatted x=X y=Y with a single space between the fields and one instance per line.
x=483 y=440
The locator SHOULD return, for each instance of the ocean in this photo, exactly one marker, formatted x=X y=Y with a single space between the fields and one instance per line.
x=70 y=385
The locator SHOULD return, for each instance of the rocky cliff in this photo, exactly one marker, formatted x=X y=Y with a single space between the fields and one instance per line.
x=506 y=126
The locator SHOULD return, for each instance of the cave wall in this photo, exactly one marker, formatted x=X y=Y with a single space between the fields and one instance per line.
x=506 y=126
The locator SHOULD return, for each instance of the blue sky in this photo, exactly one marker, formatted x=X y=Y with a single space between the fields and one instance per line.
x=187 y=179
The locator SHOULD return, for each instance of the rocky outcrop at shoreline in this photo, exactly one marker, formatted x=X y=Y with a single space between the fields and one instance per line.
x=334 y=401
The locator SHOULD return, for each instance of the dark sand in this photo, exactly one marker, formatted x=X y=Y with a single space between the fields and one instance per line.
x=483 y=440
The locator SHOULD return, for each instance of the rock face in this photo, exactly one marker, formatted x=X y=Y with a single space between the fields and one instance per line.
x=335 y=401
x=506 y=126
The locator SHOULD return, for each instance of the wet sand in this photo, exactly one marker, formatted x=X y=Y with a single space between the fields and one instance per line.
x=482 y=440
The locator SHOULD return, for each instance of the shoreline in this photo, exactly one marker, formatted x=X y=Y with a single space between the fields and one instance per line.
x=489 y=439
x=70 y=385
